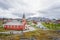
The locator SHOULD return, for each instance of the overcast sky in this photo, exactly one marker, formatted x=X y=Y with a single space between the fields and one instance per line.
x=31 y=8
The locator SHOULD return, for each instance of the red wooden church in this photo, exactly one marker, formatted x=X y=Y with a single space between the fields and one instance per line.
x=15 y=25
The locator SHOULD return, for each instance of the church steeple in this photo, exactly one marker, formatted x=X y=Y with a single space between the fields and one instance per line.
x=24 y=20
x=23 y=15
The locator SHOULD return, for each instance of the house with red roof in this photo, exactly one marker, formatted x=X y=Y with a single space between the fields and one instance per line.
x=57 y=21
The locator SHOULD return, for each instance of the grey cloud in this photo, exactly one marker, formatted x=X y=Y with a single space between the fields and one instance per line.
x=17 y=14
x=21 y=14
x=52 y=12
x=4 y=6
x=19 y=6
x=43 y=12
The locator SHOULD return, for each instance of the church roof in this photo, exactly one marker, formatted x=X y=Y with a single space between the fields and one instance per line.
x=14 y=22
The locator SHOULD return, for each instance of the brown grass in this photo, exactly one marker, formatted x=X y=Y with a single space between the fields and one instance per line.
x=38 y=34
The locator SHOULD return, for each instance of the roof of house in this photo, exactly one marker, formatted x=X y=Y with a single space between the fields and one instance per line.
x=57 y=20
x=14 y=22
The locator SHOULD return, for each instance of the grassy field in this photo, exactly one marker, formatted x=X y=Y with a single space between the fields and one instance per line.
x=38 y=34
x=1 y=26
x=9 y=37
x=2 y=29
x=1 y=22
x=52 y=26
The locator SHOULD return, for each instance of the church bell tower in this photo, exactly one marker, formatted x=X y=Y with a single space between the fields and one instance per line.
x=24 y=16
x=23 y=19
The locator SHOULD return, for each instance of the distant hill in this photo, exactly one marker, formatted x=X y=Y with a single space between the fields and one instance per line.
x=38 y=18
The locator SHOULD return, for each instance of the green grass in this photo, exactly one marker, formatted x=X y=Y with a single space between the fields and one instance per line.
x=41 y=34
x=38 y=34
x=52 y=26
x=2 y=29
x=5 y=34
x=1 y=22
